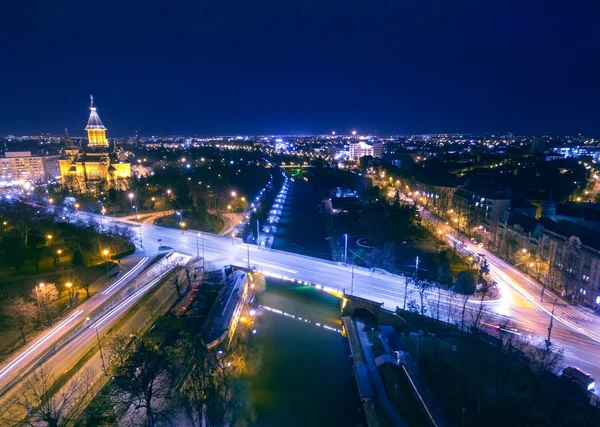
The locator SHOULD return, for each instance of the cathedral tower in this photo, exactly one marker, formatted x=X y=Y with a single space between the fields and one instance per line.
x=95 y=129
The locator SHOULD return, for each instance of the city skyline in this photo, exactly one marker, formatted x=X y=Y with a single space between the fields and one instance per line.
x=302 y=69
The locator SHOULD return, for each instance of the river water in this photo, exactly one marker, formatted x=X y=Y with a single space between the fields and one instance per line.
x=306 y=378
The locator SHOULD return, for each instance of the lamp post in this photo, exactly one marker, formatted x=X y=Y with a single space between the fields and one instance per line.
x=352 y=282
x=105 y=253
x=69 y=285
x=551 y=321
x=257 y=233
x=199 y=235
x=140 y=227
x=182 y=227
x=101 y=354
x=346 y=249
x=37 y=296
x=131 y=201
x=49 y=237
x=59 y=253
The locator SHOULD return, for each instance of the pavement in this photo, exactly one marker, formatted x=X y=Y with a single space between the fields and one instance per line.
x=376 y=378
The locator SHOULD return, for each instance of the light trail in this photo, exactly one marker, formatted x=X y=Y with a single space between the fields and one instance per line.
x=504 y=278
x=266 y=264
x=46 y=337
x=125 y=276
x=127 y=300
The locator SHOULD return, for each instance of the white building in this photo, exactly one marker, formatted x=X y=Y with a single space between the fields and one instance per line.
x=361 y=149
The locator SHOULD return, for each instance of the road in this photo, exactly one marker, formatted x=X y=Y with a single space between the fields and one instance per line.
x=12 y=367
x=576 y=332
x=88 y=331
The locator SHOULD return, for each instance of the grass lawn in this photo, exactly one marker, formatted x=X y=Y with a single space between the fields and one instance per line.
x=207 y=222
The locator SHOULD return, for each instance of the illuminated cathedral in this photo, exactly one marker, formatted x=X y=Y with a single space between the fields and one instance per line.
x=97 y=163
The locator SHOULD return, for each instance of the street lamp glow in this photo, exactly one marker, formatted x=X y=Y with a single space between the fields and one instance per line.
x=353 y=133
x=59 y=251
x=68 y=284
x=169 y=192
x=131 y=195
x=233 y=194
x=524 y=250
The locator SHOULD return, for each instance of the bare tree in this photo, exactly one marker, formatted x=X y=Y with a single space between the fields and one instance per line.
x=119 y=347
x=46 y=297
x=484 y=291
x=509 y=352
x=423 y=286
x=21 y=315
x=146 y=389
x=55 y=409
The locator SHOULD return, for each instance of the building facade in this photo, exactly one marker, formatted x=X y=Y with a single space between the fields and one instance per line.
x=97 y=163
x=361 y=149
x=562 y=255
x=20 y=166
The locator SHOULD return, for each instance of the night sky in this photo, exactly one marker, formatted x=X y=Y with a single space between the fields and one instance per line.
x=300 y=66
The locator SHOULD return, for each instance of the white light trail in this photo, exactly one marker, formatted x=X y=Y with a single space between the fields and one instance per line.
x=125 y=276
x=46 y=337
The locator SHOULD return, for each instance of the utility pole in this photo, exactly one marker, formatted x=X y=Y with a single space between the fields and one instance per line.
x=551 y=321
x=346 y=250
x=352 y=282
x=257 y=234
x=414 y=279
x=140 y=227
x=101 y=354
x=37 y=296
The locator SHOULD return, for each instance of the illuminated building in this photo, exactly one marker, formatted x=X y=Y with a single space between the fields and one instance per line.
x=361 y=149
x=20 y=166
x=95 y=164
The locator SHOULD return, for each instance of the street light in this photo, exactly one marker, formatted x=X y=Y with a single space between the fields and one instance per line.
x=131 y=200
x=233 y=194
x=69 y=285
x=105 y=253
x=182 y=226
x=199 y=236
x=37 y=296
x=140 y=227
x=49 y=237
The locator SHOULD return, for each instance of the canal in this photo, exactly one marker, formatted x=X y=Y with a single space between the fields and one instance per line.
x=306 y=378
x=301 y=227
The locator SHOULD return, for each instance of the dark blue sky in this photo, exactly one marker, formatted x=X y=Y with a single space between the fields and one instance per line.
x=291 y=66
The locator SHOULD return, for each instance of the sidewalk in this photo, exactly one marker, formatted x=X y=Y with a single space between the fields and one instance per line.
x=376 y=377
x=427 y=399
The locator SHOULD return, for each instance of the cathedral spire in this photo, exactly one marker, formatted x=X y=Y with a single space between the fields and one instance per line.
x=95 y=129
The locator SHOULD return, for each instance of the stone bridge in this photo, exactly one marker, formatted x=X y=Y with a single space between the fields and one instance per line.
x=350 y=304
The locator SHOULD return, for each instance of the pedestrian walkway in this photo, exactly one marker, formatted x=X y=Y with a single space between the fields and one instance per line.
x=434 y=413
x=376 y=377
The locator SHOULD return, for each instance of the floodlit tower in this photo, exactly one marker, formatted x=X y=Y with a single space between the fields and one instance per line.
x=95 y=129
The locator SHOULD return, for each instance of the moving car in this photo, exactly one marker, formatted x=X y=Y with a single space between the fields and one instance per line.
x=579 y=378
